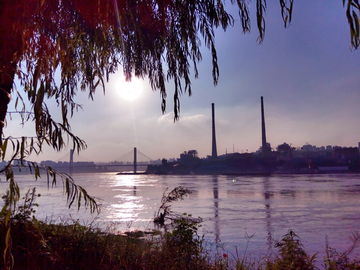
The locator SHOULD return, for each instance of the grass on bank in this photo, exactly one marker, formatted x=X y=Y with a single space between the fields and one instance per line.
x=40 y=245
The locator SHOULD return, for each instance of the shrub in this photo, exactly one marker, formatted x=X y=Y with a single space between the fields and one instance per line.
x=291 y=255
x=336 y=260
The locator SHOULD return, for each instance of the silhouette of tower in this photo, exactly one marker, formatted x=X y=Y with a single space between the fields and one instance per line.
x=71 y=163
x=214 y=151
x=264 y=146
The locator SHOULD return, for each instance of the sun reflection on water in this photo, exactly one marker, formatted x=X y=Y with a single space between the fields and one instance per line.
x=127 y=203
x=125 y=210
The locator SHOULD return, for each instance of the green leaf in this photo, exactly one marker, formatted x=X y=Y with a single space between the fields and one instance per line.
x=53 y=184
x=3 y=149
x=7 y=217
x=22 y=150
x=37 y=172
x=79 y=201
x=31 y=145
x=356 y=21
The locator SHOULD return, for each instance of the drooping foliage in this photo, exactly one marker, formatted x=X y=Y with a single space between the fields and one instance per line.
x=86 y=40
x=352 y=14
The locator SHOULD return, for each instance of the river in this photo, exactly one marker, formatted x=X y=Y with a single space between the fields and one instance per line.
x=233 y=209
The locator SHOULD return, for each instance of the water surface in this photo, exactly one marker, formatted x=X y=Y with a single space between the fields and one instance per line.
x=232 y=208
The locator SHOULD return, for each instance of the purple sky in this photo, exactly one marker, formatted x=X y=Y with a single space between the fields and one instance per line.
x=307 y=74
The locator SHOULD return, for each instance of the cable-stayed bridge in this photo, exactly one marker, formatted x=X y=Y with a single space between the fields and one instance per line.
x=132 y=159
x=133 y=155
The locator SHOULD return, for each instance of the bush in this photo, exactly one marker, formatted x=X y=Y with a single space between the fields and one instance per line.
x=336 y=260
x=291 y=255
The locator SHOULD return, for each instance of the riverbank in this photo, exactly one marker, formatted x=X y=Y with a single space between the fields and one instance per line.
x=38 y=245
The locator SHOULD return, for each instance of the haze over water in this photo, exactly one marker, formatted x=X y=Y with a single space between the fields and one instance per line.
x=314 y=206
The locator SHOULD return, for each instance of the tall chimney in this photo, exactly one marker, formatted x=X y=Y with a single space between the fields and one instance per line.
x=214 y=152
x=264 y=147
x=71 y=164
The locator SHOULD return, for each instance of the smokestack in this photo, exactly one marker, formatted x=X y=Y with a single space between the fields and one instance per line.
x=264 y=146
x=214 y=152
x=71 y=164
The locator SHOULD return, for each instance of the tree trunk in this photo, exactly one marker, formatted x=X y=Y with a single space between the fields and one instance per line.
x=6 y=82
x=10 y=50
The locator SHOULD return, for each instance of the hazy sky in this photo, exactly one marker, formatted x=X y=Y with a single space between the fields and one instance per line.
x=307 y=74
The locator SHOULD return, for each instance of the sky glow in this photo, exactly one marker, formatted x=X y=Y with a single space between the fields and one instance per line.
x=129 y=90
x=307 y=74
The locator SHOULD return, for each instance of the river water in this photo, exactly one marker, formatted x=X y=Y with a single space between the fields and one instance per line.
x=233 y=208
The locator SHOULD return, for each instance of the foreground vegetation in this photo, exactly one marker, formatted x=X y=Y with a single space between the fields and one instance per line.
x=39 y=245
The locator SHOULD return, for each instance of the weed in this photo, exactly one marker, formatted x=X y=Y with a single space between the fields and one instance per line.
x=164 y=211
x=291 y=255
x=245 y=262
x=185 y=243
x=335 y=260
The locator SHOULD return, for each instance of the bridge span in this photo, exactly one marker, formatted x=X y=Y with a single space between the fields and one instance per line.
x=134 y=164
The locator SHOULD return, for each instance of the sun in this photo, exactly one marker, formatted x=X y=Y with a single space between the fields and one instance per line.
x=129 y=90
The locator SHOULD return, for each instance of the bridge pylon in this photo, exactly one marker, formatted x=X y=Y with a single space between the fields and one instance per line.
x=135 y=160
